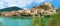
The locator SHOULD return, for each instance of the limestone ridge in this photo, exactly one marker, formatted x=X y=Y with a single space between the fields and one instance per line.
x=49 y=4
x=44 y=5
x=46 y=8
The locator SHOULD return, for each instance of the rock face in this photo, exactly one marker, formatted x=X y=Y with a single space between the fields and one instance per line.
x=46 y=8
x=49 y=4
x=46 y=4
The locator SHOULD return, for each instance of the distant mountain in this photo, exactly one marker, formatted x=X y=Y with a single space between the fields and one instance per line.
x=10 y=9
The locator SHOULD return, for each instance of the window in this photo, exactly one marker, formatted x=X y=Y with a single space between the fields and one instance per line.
x=51 y=11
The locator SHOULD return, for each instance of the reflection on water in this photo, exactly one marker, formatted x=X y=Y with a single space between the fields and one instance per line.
x=8 y=21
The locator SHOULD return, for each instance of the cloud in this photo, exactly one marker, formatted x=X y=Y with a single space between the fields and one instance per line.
x=1 y=5
x=39 y=0
x=16 y=2
x=19 y=3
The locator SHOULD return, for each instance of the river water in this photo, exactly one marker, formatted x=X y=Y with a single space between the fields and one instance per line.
x=14 y=21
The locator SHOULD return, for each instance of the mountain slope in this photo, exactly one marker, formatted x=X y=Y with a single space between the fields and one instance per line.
x=10 y=9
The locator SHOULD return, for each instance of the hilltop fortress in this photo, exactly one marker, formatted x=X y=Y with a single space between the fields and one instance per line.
x=44 y=9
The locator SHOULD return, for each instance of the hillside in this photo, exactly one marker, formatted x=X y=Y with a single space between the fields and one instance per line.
x=10 y=9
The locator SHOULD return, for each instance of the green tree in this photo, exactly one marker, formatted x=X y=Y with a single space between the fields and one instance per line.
x=37 y=21
x=14 y=15
x=22 y=14
x=58 y=15
x=0 y=14
x=58 y=10
x=46 y=7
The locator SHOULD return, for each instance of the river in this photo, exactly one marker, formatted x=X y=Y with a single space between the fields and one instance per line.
x=14 y=21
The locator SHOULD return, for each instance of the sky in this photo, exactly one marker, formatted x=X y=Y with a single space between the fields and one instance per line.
x=26 y=4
